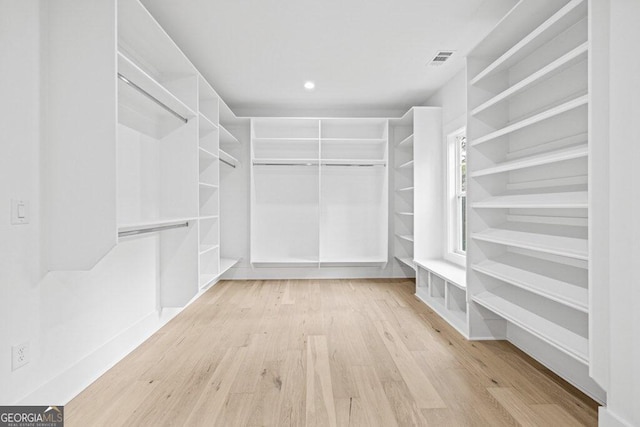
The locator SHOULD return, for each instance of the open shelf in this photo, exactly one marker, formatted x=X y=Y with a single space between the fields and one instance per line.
x=285 y=260
x=227 y=137
x=407 y=261
x=569 y=342
x=207 y=185
x=363 y=261
x=549 y=29
x=563 y=292
x=226 y=264
x=281 y=162
x=353 y=162
x=570 y=58
x=452 y=273
x=405 y=213
x=406 y=165
x=228 y=158
x=207 y=153
x=406 y=237
x=206 y=248
x=535 y=160
x=536 y=118
x=400 y=190
x=557 y=245
x=407 y=142
x=140 y=98
x=205 y=125
x=566 y=200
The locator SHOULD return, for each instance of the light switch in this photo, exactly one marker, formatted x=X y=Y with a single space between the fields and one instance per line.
x=19 y=212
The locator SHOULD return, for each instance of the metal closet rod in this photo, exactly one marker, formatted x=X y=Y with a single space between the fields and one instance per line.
x=316 y=164
x=151 y=229
x=230 y=164
x=151 y=97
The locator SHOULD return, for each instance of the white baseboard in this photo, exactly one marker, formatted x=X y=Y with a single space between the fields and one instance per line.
x=606 y=418
x=68 y=384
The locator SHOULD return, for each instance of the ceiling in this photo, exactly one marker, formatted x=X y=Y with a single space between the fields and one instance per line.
x=367 y=57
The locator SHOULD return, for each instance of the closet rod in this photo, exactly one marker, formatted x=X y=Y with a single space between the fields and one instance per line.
x=151 y=229
x=151 y=97
x=283 y=164
x=351 y=165
x=230 y=164
x=316 y=164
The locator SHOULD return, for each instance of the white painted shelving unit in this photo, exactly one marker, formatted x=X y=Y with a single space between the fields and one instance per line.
x=528 y=133
x=319 y=192
x=149 y=171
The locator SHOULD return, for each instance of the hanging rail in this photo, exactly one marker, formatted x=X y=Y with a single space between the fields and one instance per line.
x=228 y=163
x=138 y=231
x=321 y=164
x=151 y=97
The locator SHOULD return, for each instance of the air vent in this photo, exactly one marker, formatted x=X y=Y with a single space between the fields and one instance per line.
x=441 y=57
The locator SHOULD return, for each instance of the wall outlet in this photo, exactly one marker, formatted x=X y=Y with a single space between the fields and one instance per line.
x=19 y=355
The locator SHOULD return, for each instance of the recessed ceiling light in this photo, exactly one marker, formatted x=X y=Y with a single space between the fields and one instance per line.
x=309 y=85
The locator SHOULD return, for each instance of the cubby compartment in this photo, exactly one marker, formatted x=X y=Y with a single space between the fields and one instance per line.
x=209 y=233
x=209 y=200
x=436 y=288
x=209 y=266
x=442 y=286
x=209 y=169
x=287 y=149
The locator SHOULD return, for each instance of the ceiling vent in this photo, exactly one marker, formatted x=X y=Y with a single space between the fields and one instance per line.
x=441 y=57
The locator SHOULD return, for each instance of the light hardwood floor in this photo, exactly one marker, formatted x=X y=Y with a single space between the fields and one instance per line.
x=323 y=353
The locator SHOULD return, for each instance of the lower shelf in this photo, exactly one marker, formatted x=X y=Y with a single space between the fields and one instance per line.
x=567 y=341
x=407 y=261
x=225 y=265
x=456 y=318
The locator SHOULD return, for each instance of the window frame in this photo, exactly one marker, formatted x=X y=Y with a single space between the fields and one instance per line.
x=453 y=213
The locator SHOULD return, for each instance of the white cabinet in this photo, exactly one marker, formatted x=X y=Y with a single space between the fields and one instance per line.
x=528 y=190
x=319 y=191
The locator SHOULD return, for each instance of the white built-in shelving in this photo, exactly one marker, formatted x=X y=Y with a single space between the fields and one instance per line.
x=443 y=286
x=152 y=168
x=528 y=192
x=417 y=157
x=319 y=191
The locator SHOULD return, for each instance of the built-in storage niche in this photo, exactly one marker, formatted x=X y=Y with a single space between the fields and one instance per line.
x=319 y=191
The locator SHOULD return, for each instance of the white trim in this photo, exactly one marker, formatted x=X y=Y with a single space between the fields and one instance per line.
x=451 y=250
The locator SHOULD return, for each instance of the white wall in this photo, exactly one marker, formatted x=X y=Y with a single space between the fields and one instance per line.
x=69 y=318
x=452 y=97
x=624 y=209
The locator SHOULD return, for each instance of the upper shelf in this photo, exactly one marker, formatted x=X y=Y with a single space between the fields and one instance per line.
x=560 y=155
x=536 y=118
x=144 y=40
x=407 y=142
x=146 y=105
x=228 y=158
x=406 y=165
x=570 y=58
x=557 y=245
x=227 y=137
x=565 y=200
x=571 y=13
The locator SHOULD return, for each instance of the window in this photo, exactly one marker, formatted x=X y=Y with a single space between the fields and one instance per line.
x=457 y=192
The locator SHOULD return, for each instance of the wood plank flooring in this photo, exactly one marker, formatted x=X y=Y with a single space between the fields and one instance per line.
x=323 y=353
